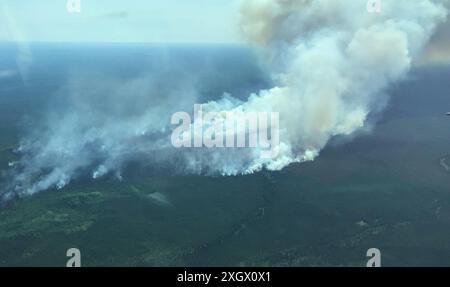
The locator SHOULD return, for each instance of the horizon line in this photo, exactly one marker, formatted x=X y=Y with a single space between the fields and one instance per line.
x=236 y=43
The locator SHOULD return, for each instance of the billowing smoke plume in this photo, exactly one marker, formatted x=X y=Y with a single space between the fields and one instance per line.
x=331 y=61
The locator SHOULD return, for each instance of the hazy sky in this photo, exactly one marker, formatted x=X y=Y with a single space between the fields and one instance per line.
x=119 y=21
x=166 y=21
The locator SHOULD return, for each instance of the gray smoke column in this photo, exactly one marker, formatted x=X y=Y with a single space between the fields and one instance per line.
x=331 y=61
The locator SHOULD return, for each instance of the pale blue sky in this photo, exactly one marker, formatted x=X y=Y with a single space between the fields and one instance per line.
x=206 y=21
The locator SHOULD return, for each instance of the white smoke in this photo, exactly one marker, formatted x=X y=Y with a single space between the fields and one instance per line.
x=335 y=62
x=331 y=59
x=96 y=130
x=24 y=57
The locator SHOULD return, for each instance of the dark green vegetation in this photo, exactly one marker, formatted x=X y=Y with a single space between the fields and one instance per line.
x=385 y=189
x=328 y=212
